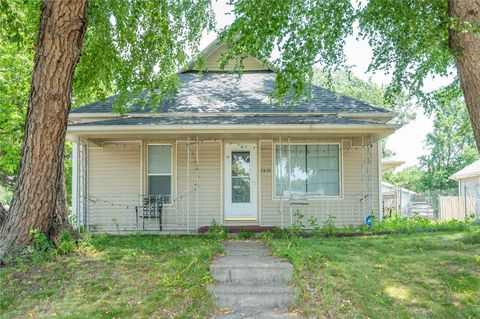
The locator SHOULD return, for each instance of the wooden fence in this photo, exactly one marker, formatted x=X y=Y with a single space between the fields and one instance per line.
x=456 y=207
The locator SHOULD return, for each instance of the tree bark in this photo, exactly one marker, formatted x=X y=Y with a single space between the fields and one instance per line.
x=3 y=213
x=60 y=220
x=37 y=203
x=466 y=47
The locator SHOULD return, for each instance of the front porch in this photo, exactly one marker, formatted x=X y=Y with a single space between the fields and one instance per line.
x=112 y=180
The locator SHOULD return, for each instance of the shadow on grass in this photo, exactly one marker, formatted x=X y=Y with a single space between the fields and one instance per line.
x=115 y=277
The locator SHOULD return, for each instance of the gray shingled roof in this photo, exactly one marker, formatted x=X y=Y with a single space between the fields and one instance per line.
x=221 y=92
x=223 y=120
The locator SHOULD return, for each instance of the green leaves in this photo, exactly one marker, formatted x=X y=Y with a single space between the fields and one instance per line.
x=303 y=32
x=137 y=46
x=408 y=38
x=451 y=144
x=130 y=47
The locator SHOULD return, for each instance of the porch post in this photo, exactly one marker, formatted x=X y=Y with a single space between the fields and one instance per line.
x=188 y=185
x=75 y=210
x=380 y=196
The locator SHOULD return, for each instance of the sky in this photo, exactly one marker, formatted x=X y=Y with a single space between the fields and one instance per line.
x=407 y=142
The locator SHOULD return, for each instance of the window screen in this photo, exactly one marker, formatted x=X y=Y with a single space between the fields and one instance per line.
x=308 y=170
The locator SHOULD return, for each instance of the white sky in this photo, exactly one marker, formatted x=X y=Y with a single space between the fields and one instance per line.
x=407 y=142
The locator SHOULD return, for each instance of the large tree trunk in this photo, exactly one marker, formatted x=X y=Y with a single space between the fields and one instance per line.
x=466 y=46
x=60 y=219
x=3 y=213
x=39 y=184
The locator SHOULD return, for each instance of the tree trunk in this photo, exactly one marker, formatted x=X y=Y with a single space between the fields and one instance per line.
x=3 y=213
x=39 y=185
x=60 y=219
x=466 y=47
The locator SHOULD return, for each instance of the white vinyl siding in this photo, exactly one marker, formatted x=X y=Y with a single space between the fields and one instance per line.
x=211 y=62
x=210 y=184
x=114 y=175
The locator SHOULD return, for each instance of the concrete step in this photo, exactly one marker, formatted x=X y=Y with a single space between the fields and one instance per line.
x=253 y=296
x=233 y=269
x=246 y=248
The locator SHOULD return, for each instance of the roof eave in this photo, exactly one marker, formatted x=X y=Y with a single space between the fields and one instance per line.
x=382 y=115
x=236 y=128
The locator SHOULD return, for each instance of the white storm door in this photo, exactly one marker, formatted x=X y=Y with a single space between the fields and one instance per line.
x=240 y=182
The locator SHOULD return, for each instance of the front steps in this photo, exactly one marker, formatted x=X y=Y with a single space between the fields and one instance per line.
x=249 y=279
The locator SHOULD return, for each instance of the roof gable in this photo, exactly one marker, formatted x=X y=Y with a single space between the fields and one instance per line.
x=212 y=55
x=471 y=170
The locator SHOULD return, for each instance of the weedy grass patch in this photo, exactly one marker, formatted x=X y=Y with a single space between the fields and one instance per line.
x=420 y=275
x=137 y=276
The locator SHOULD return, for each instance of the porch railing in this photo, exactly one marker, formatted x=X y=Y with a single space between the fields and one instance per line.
x=131 y=212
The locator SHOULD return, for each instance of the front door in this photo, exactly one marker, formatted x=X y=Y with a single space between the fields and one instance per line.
x=240 y=182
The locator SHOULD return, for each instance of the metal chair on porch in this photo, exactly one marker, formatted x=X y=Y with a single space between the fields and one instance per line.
x=151 y=208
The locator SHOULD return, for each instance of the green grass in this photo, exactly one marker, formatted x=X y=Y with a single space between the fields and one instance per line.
x=424 y=275
x=114 y=277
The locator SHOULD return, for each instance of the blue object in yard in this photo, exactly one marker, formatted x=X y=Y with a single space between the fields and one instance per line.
x=369 y=220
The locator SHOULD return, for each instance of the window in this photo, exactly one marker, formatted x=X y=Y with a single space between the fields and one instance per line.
x=241 y=177
x=160 y=171
x=307 y=170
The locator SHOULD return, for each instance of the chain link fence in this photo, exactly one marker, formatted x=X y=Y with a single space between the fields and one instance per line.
x=459 y=203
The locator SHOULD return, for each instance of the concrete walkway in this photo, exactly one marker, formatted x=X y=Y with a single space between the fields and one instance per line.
x=252 y=283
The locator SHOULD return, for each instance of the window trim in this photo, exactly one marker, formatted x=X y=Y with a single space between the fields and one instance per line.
x=171 y=170
x=312 y=197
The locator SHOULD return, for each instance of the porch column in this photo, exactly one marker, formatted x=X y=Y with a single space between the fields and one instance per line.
x=75 y=210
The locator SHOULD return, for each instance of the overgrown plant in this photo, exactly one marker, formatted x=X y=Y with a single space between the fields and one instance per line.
x=328 y=228
x=246 y=235
x=298 y=228
x=217 y=231
x=314 y=228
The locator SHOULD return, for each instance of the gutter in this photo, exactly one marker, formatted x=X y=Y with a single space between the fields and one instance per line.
x=79 y=116
x=230 y=128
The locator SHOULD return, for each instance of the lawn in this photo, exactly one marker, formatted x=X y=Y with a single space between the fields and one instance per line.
x=423 y=275
x=114 y=277
x=428 y=275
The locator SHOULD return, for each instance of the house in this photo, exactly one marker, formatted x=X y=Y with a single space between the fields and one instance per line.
x=395 y=198
x=468 y=180
x=220 y=151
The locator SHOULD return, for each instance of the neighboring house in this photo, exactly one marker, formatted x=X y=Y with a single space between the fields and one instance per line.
x=468 y=180
x=396 y=199
x=218 y=150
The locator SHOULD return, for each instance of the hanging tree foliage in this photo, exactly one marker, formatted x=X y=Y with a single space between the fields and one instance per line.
x=130 y=46
x=411 y=39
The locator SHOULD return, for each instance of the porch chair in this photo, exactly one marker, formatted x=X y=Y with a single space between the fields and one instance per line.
x=151 y=208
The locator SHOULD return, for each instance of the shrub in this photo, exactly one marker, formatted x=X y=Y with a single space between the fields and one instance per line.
x=217 y=231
